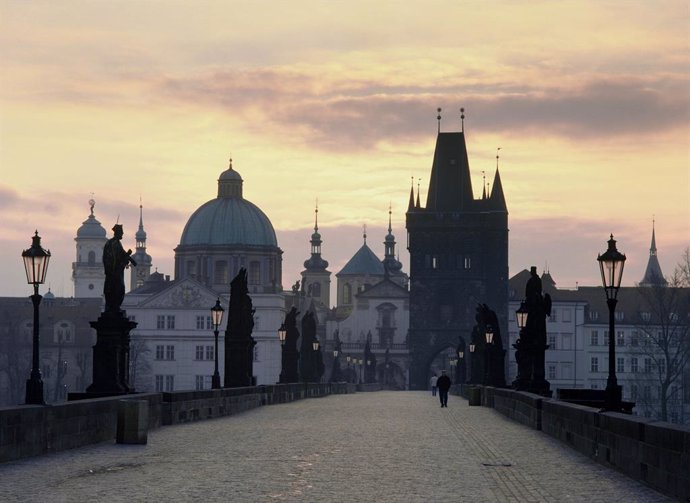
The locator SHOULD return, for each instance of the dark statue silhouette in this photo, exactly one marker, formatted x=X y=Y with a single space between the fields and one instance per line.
x=115 y=261
x=290 y=356
x=239 y=344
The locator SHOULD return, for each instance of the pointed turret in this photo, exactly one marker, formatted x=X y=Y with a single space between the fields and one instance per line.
x=140 y=272
x=410 y=206
x=316 y=279
x=391 y=265
x=497 y=199
x=653 y=275
x=450 y=188
x=315 y=262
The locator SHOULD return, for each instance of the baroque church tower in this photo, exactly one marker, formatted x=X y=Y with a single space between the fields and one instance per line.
x=458 y=257
x=141 y=271
x=316 y=279
x=87 y=271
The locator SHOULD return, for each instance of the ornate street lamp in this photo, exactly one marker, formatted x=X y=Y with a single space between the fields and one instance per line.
x=36 y=265
x=315 y=345
x=282 y=334
x=611 y=265
x=216 y=320
x=521 y=316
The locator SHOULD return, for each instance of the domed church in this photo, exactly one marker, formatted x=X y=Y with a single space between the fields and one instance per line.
x=226 y=234
x=223 y=235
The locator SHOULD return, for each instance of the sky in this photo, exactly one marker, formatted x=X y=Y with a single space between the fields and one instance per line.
x=147 y=100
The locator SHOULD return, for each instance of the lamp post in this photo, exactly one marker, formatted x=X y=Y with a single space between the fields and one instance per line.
x=473 y=376
x=348 y=358
x=459 y=378
x=611 y=265
x=216 y=319
x=361 y=370
x=489 y=334
x=282 y=334
x=523 y=353
x=36 y=265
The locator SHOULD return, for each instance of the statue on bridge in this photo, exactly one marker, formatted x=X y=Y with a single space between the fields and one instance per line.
x=289 y=372
x=531 y=345
x=115 y=261
x=239 y=343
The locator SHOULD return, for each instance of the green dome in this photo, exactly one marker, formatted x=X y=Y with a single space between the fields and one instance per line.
x=229 y=219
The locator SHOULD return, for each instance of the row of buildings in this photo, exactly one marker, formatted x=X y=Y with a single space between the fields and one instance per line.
x=458 y=247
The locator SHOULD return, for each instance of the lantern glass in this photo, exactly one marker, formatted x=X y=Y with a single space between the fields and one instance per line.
x=521 y=316
x=217 y=314
x=315 y=344
x=335 y=353
x=611 y=264
x=461 y=354
x=348 y=358
x=489 y=335
x=36 y=262
x=472 y=348
x=282 y=333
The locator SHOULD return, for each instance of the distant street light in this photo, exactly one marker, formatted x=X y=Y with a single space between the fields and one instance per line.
x=282 y=334
x=489 y=335
x=611 y=264
x=36 y=265
x=216 y=320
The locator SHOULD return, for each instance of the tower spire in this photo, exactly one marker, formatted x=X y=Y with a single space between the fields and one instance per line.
x=410 y=205
x=462 y=120
x=438 y=118
x=316 y=216
x=418 y=205
x=653 y=275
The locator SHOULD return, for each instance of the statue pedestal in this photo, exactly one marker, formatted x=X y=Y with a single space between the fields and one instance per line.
x=239 y=359
x=111 y=354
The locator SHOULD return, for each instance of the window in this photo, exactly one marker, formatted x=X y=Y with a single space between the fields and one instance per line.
x=594 y=338
x=256 y=353
x=220 y=272
x=92 y=258
x=647 y=365
x=552 y=341
x=468 y=263
x=566 y=371
x=159 y=383
x=169 y=352
x=554 y=315
x=593 y=315
x=594 y=365
x=63 y=333
x=551 y=371
x=210 y=353
x=645 y=316
x=347 y=294
x=131 y=317
x=619 y=315
x=633 y=391
x=171 y=322
x=199 y=380
x=169 y=383
x=191 y=268
x=633 y=365
x=200 y=322
x=199 y=353
x=566 y=341
x=620 y=364
x=673 y=317
x=594 y=386
x=634 y=338
x=434 y=262
x=160 y=352
x=254 y=276
x=315 y=290
x=160 y=321
x=647 y=392
x=567 y=315
x=620 y=338
x=606 y=337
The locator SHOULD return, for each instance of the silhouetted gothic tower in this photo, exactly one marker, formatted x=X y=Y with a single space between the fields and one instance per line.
x=141 y=271
x=458 y=257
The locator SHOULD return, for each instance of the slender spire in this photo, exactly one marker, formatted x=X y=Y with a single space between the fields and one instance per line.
x=483 y=184
x=316 y=216
x=438 y=118
x=140 y=235
x=653 y=276
x=364 y=233
x=418 y=204
x=410 y=205
x=462 y=120
x=497 y=198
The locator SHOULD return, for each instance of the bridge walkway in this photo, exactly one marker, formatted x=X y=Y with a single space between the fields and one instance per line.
x=367 y=447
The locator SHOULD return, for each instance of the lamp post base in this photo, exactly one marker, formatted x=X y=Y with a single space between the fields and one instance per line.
x=613 y=398
x=215 y=381
x=34 y=392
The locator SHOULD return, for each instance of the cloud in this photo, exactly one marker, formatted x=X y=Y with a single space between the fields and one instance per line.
x=357 y=114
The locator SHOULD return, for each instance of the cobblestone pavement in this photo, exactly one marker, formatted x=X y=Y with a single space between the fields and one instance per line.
x=367 y=447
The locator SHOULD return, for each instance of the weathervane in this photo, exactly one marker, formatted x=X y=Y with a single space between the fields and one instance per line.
x=462 y=120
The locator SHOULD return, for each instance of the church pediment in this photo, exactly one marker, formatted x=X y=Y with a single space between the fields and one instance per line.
x=384 y=289
x=187 y=293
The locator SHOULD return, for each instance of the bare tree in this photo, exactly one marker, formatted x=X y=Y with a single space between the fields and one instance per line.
x=82 y=358
x=664 y=326
x=15 y=360
x=139 y=363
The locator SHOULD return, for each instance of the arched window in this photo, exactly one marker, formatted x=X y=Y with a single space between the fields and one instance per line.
x=315 y=290
x=254 y=276
x=220 y=272
x=191 y=268
x=347 y=294
x=63 y=332
x=92 y=257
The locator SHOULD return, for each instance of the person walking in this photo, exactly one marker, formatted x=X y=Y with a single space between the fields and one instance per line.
x=433 y=384
x=443 y=383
